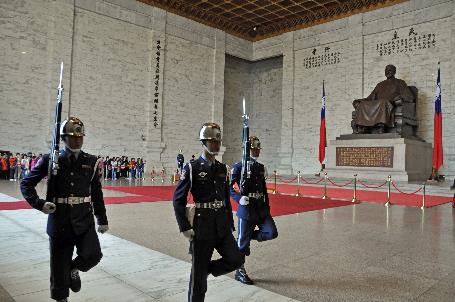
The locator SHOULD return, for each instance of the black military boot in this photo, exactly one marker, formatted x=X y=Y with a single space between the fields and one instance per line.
x=242 y=276
x=75 y=281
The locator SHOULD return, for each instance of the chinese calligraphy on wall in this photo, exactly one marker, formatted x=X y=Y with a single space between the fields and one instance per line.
x=156 y=82
x=322 y=58
x=408 y=42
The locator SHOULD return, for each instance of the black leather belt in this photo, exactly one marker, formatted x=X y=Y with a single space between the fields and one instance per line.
x=72 y=200
x=255 y=195
x=216 y=204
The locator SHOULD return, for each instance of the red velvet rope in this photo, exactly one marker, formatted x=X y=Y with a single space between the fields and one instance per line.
x=310 y=182
x=371 y=187
x=417 y=191
x=287 y=181
x=340 y=186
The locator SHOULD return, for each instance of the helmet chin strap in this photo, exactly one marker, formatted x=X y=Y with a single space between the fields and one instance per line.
x=210 y=152
x=68 y=147
x=73 y=150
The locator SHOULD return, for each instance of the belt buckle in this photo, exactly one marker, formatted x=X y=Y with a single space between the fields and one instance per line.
x=218 y=204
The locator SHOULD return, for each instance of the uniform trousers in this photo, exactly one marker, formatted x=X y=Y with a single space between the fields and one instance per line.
x=61 y=251
x=267 y=231
x=202 y=265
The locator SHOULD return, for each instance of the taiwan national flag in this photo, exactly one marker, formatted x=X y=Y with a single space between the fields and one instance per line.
x=437 y=137
x=322 y=136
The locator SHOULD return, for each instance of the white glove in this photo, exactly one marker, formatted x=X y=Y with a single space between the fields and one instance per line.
x=103 y=228
x=244 y=200
x=49 y=207
x=189 y=234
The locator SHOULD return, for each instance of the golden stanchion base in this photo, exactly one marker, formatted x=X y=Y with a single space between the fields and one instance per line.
x=387 y=204
x=325 y=197
x=274 y=192
x=355 y=200
x=422 y=208
x=162 y=181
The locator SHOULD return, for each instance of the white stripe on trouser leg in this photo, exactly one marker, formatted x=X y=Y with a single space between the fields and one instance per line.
x=192 y=271
x=240 y=232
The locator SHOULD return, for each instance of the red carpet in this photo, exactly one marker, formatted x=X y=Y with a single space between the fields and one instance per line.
x=279 y=204
x=414 y=200
x=287 y=204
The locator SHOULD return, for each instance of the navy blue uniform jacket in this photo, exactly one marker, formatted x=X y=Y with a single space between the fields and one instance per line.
x=77 y=180
x=257 y=209
x=207 y=184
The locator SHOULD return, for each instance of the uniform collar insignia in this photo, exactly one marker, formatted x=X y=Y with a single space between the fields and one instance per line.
x=202 y=174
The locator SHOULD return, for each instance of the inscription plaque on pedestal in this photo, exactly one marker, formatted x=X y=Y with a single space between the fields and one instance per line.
x=364 y=156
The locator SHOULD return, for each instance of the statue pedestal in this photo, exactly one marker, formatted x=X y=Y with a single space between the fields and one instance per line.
x=375 y=156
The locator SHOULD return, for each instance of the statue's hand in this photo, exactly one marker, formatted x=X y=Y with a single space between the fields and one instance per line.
x=398 y=100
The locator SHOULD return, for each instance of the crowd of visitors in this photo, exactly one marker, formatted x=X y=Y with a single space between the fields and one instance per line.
x=122 y=167
x=16 y=167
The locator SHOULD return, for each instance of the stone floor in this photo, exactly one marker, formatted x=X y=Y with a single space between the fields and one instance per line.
x=364 y=252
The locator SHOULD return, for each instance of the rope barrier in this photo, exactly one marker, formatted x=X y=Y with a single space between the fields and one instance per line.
x=340 y=186
x=371 y=187
x=287 y=181
x=415 y=192
x=311 y=183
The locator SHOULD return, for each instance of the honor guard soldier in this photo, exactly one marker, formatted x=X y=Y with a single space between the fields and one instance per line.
x=254 y=209
x=208 y=181
x=70 y=223
x=180 y=161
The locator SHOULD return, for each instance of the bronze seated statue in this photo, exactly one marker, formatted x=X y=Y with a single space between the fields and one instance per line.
x=390 y=108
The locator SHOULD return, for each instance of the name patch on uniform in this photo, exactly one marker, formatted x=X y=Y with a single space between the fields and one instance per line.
x=202 y=174
x=86 y=167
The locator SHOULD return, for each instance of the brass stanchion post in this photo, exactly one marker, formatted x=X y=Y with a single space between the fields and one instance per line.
x=162 y=176
x=274 y=177
x=354 y=198
x=423 y=196
x=298 y=184
x=389 y=181
x=174 y=176
x=325 y=186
